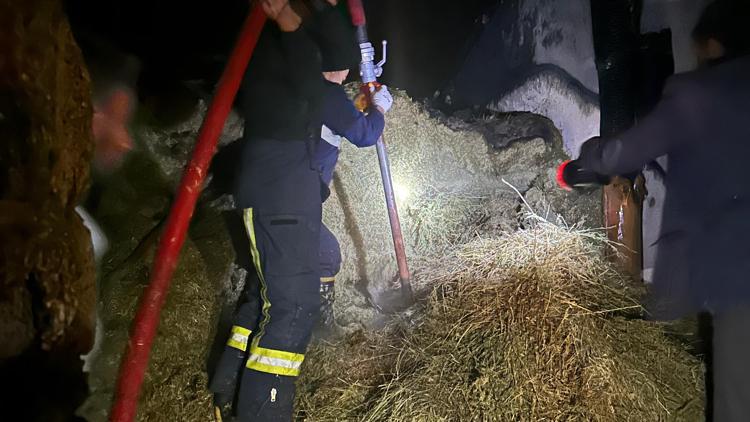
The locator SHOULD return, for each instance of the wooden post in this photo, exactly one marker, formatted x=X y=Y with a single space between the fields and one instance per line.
x=616 y=30
x=623 y=206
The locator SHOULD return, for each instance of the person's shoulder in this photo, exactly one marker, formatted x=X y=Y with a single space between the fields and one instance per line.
x=687 y=85
x=724 y=73
x=335 y=94
x=699 y=95
x=682 y=82
x=731 y=71
x=334 y=89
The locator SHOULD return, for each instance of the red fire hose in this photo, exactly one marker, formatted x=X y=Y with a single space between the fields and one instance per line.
x=357 y=10
x=146 y=321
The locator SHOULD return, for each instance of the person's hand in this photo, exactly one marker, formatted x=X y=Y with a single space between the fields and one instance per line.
x=273 y=8
x=382 y=99
x=570 y=175
x=110 y=129
x=280 y=11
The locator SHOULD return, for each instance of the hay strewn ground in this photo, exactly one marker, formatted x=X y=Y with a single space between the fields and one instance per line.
x=175 y=385
x=448 y=183
x=530 y=326
x=515 y=329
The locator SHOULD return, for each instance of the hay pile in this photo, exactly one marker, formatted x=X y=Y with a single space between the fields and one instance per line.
x=516 y=327
x=448 y=183
x=133 y=208
x=530 y=326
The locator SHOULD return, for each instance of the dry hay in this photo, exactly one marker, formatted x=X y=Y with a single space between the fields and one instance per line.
x=175 y=384
x=534 y=325
x=440 y=176
x=448 y=189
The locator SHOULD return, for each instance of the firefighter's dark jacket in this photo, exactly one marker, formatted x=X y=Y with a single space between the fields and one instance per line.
x=702 y=124
x=282 y=86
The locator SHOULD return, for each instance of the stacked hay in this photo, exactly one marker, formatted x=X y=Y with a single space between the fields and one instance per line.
x=529 y=326
x=449 y=189
x=133 y=209
x=457 y=358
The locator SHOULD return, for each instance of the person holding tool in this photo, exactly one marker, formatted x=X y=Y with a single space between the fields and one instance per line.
x=369 y=72
x=279 y=193
x=703 y=261
x=339 y=117
x=341 y=120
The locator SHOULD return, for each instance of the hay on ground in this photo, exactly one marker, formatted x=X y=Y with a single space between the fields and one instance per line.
x=531 y=326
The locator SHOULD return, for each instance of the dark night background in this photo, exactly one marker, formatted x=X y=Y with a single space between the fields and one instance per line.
x=188 y=40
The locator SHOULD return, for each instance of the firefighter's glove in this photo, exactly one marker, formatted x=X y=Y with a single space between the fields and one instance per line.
x=570 y=175
x=382 y=99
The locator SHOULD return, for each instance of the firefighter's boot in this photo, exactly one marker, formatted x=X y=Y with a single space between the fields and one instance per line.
x=232 y=361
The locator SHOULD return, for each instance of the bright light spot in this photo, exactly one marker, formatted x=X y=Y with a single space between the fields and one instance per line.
x=402 y=192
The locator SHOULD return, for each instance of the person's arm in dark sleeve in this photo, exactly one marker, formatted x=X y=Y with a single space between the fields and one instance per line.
x=365 y=130
x=668 y=125
x=340 y=115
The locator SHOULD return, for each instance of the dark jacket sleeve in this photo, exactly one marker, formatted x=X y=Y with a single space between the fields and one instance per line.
x=366 y=129
x=340 y=115
x=303 y=63
x=669 y=125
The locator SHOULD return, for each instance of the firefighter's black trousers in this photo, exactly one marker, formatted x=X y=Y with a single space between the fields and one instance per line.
x=279 y=193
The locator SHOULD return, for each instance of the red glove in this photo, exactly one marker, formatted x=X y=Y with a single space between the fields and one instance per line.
x=570 y=175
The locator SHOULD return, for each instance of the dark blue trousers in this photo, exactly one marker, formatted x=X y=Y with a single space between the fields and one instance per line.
x=330 y=254
x=280 y=197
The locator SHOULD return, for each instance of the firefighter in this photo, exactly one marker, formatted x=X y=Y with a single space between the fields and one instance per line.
x=279 y=195
x=341 y=120
x=335 y=39
x=703 y=262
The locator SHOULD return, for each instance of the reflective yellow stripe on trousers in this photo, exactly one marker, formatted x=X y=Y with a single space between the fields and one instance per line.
x=261 y=359
x=239 y=338
x=275 y=361
x=266 y=309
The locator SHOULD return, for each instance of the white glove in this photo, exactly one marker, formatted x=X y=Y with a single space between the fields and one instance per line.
x=382 y=99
